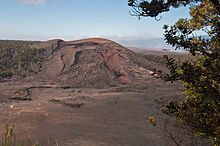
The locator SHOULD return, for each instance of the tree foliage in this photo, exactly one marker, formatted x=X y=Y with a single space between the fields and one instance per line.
x=201 y=108
x=155 y=7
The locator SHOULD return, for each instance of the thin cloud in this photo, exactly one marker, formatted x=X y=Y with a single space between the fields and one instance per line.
x=33 y=2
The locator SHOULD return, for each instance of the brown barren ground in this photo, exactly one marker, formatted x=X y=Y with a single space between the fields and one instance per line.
x=91 y=117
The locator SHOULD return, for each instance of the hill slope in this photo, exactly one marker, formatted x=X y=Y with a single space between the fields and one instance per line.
x=94 y=62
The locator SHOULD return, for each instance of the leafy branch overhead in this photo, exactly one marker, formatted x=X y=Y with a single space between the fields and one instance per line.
x=153 y=8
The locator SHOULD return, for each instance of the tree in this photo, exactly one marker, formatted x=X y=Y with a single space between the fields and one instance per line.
x=201 y=108
x=155 y=7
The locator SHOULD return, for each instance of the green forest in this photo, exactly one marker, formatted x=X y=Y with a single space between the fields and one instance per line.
x=18 y=58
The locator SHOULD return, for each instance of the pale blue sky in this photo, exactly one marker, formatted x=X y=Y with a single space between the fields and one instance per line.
x=76 y=19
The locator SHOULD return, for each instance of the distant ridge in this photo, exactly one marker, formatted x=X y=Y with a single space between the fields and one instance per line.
x=155 y=51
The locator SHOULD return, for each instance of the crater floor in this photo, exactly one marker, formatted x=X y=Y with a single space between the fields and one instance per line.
x=91 y=117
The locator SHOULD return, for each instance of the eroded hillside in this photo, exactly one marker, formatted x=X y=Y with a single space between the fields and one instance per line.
x=91 y=62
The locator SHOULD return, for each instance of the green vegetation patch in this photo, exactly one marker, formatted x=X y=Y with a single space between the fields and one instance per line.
x=17 y=58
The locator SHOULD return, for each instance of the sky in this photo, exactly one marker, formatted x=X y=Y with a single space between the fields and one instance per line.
x=78 y=19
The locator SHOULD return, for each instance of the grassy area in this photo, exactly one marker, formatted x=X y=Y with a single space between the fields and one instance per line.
x=10 y=139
